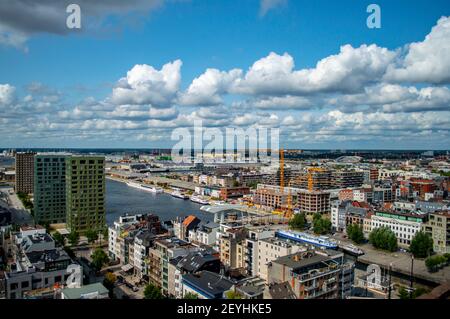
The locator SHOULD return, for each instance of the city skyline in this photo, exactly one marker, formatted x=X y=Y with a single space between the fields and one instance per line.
x=317 y=72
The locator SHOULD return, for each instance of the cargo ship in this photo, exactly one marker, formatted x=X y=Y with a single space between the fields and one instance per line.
x=321 y=241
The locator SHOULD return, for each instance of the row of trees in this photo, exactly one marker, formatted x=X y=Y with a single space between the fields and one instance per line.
x=321 y=225
x=433 y=263
x=383 y=238
x=74 y=237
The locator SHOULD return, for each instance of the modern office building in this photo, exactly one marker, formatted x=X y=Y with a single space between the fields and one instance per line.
x=24 y=172
x=85 y=189
x=50 y=188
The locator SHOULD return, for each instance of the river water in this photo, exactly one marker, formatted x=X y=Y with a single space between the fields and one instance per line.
x=121 y=199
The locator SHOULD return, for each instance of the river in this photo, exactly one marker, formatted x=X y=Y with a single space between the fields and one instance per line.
x=121 y=199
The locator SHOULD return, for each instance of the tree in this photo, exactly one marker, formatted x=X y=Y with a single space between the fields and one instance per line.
x=109 y=281
x=421 y=245
x=152 y=292
x=59 y=239
x=73 y=237
x=321 y=225
x=355 y=233
x=190 y=295
x=434 y=262
x=298 y=221
x=231 y=294
x=91 y=235
x=99 y=258
x=383 y=238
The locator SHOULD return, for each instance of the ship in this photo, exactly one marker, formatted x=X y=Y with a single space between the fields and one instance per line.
x=144 y=187
x=321 y=241
x=352 y=250
x=178 y=194
x=199 y=200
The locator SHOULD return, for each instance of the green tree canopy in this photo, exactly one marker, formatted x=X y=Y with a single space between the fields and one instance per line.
x=298 y=221
x=321 y=226
x=231 y=294
x=152 y=292
x=99 y=258
x=91 y=235
x=355 y=233
x=59 y=239
x=109 y=281
x=190 y=295
x=383 y=238
x=73 y=237
x=421 y=245
x=434 y=262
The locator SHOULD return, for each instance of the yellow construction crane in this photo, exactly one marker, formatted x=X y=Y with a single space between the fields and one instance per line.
x=282 y=171
x=310 y=177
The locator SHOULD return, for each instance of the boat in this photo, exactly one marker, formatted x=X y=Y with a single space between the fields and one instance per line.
x=321 y=241
x=144 y=187
x=352 y=250
x=178 y=194
x=199 y=200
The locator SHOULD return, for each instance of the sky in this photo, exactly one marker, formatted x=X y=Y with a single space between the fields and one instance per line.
x=137 y=70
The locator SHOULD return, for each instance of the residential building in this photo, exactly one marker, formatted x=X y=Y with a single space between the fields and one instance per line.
x=36 y=263
x=182 y=226
x=312 y=202
x=269 y=249
x=251 y=247
x=227 y=193
x=50 y=188
x=438 y=227
x=204 y=233
x=314 y=274
x=192 y=263
x=160 y=254
x=206 y=285
x=24 y=172
x=85 y=188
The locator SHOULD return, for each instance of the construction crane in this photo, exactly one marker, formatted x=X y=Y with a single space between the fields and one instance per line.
x=310 y=177
x=282 y=171
x=288 y=212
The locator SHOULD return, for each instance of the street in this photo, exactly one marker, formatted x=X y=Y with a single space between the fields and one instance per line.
x=20 y=215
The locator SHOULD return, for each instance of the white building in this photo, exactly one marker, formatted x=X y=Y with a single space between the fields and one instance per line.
x=205 y=234
x=272 y=248
x=405 y=226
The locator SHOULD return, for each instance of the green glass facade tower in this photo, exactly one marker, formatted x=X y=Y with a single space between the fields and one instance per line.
x=85 y=193
x=50 y=188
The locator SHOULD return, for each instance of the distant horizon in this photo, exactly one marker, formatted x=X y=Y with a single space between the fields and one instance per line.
x=169 y=149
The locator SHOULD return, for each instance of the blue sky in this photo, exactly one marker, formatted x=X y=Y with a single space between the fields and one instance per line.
x=65 y=68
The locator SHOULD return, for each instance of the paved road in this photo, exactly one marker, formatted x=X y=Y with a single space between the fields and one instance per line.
x=401 y=262
x=20 y=215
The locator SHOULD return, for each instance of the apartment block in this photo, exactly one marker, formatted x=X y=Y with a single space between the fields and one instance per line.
x=312 y=202
x=24 y=172
x=85 y=189
x=314 y=274
x=438 y=227
x=269 y=249
x=50 y=188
